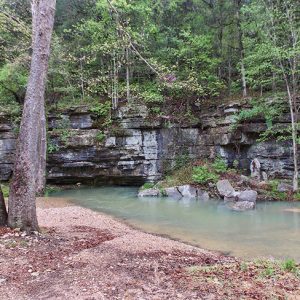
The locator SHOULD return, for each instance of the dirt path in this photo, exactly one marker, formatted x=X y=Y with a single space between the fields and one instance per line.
x=82 y=254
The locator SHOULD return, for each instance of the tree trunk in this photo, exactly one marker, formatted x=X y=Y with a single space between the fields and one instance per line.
x=3 y=212
x=127 y=75
x=42 y=154
x=21 y=205
x=241 y=47
x=42 y=140
x=294 y=135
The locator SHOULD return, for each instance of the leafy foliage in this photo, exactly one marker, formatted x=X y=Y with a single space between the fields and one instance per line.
x=219 y=165
x=203 y=175
x=100 y=137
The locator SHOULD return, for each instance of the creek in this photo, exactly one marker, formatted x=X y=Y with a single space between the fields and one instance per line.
x=271 y=230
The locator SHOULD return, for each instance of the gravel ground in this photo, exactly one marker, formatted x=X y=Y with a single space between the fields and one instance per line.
x=81 y=254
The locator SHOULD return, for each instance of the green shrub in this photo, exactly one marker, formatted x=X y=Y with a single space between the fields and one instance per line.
x=101 y=109
x=64 y=135
x=52 y=147
x=203 y=175
x=155 y=110
x=100 y=136
x=268 y=272
x=289 y=265
x=297 y=196
x=151 y=93
x=219 y=165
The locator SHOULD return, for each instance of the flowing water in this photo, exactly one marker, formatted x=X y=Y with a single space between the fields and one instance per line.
x=272 y=229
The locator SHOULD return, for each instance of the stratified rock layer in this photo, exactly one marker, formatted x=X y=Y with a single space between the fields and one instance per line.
x=140 y=149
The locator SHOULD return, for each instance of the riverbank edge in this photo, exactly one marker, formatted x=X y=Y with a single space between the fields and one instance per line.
x=77 y=243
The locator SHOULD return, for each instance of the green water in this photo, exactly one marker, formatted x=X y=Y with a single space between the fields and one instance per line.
x=271 y=230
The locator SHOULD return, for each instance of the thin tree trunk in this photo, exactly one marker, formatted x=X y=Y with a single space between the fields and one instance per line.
x=81 y=79
x=294 y=134
x=21 y=205
x=243 y=72
x=241 y=48
x=115 y=82
x=3 y=212
x=127 y=75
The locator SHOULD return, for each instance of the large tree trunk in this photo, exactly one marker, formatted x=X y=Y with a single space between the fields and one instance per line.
x=42 y=155
x=42 y=138
x=3 y=212
x=21 y=205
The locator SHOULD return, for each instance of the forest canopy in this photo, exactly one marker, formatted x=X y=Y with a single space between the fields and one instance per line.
x=153 y=51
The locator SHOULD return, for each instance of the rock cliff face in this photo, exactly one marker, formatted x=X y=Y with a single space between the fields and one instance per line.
x=140 y=149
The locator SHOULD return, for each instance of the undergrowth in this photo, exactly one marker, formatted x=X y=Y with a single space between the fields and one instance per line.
x=202 y=172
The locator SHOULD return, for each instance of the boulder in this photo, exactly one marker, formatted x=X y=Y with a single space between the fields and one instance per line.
x=187 y=191
x=148 y=193
x=241 y=205
x=255 y=169
x=224 y=188
x=202 y=195
x=231 y=197
x=247 y=196
x=172 y=192
x=284 y=187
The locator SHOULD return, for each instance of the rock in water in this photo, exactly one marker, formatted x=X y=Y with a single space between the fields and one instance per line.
x=187 y=191
x=225 y=188
x=241 y=205
x=202 y=195
x=247 y=196
x=172 y=192
x=231 y=197
x=148 y=193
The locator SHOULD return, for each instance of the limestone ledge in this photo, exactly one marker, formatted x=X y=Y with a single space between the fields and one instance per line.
x=142 y=149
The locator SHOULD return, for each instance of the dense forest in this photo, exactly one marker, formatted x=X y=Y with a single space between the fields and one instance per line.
x=156 y=51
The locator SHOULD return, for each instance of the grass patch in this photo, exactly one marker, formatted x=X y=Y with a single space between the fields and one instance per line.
x=290 y=265
x=148 y=185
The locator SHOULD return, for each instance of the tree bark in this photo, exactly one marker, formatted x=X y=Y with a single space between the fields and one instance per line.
x=42 y=155
x=42 y=138
x=3 y=212
x=21 y=205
